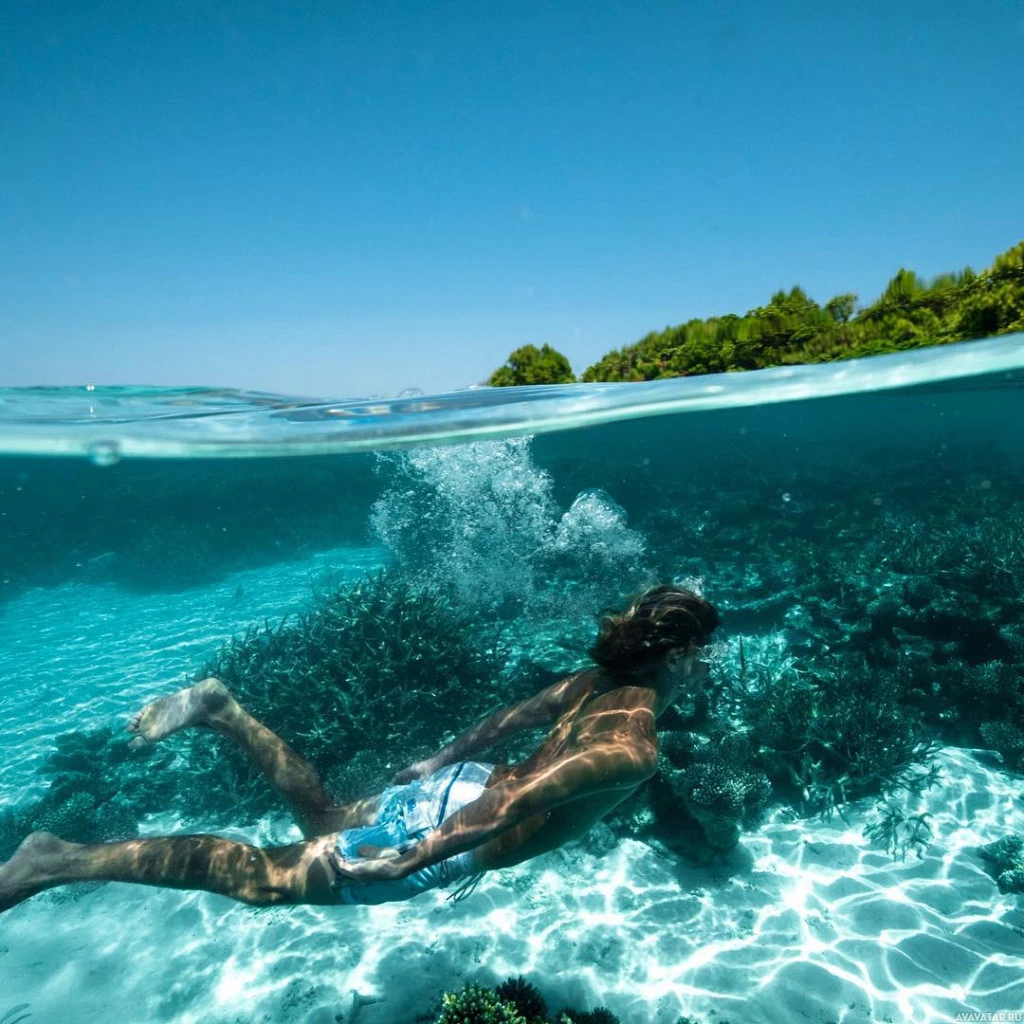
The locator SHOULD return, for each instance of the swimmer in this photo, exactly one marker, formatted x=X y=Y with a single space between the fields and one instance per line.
x=445 y=820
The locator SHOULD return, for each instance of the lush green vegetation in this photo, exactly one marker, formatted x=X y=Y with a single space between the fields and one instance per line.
x=532 y=365
x=793 y=328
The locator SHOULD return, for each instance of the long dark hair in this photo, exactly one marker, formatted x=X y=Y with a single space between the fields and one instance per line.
x=659 y=620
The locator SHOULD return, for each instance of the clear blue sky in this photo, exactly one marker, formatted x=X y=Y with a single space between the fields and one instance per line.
x=349 y=198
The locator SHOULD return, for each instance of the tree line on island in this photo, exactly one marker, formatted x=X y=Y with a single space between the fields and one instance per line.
x=793 y=328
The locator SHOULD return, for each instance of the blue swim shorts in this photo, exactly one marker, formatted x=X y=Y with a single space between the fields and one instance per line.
x=405 y=815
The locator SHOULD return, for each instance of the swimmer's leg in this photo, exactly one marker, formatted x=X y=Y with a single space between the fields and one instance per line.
x=262 y=877
x=210 y=704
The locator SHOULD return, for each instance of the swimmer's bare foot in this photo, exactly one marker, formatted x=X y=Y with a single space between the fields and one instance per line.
x=201 y=704
x=32 y=869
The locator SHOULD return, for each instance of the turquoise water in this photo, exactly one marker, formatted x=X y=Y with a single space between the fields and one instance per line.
x=860 y=528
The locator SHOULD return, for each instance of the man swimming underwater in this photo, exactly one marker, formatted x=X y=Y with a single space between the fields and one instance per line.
x=443 y=819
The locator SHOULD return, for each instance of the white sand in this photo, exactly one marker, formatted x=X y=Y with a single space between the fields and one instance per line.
x=810 y=925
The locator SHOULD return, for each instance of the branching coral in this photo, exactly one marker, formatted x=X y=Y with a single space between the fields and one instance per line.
x=527 y=1000
x=598 y=1016
x=363 y=664
x=477 y=1005
x=99 y=788
x=899 y=833
x=372 y=674
x=832 y=732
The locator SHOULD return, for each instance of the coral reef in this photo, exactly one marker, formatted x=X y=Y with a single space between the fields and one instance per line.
x=708 y=780
x=379 y=662
x=722 y=798
x=873 y=609
x=815 y=737
x=598 y=1016
x=514 y=1001
x=373 y=674
x=477 y=1005
x=828 y=733
x=99 y=788
x=1006 y=856
x=528 y=1001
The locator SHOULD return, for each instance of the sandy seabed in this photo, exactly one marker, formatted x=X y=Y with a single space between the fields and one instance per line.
x=807 y=922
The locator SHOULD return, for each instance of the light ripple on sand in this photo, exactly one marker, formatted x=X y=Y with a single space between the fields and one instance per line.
x=811 y=924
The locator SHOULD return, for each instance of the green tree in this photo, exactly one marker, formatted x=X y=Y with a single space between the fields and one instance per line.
x=793 y=328
x=994 y=299
x=841 y=307
x=532 y=365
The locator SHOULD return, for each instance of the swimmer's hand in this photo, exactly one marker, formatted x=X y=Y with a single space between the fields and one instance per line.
x=419 y=770
x=382 y=865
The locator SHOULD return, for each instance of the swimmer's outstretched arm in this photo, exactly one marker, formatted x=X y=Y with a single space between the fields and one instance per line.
x=540 y=710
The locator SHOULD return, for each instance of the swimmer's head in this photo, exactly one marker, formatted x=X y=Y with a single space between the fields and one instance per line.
x=663 y=623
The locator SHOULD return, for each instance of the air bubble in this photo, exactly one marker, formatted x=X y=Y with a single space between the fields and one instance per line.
x=104 y=453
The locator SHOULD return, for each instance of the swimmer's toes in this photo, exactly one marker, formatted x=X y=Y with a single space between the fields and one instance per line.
x=134 y=726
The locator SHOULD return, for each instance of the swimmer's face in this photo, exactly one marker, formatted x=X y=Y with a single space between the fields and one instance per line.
x=686 y=665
